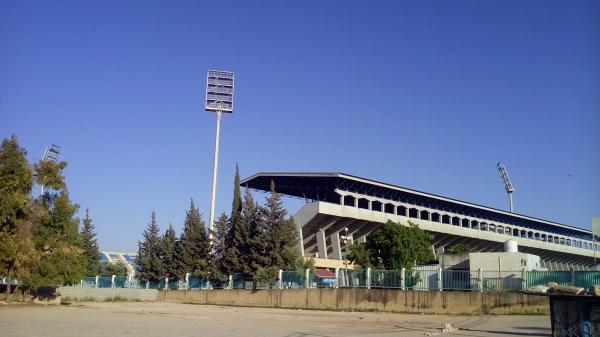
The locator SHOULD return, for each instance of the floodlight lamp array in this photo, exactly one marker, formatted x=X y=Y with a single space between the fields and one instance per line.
x=219 y=91
x=505 y=178
x=52 y=153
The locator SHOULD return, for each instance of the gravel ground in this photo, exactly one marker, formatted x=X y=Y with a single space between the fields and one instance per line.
x=186 y=320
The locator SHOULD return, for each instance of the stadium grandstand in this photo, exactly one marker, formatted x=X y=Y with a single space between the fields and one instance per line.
x=337 y=201
x=114 y=257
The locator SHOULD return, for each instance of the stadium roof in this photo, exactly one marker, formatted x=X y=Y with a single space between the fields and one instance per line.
x=321 y=187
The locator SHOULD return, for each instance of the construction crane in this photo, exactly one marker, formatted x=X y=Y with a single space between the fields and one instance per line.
x=507 y=184
x=52 y=153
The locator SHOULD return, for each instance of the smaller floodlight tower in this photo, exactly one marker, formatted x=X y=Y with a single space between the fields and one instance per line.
x=219 y=98
x=52 y=153
x=507 y=184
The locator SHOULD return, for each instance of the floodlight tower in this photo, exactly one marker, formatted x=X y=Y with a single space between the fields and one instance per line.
x=507 y=184
x=219 y=99
x=52 y=153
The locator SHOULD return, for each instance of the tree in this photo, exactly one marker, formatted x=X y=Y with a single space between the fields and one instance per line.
x=194 y=247
x=91 y=250
x=148 y=260
x=395 y=246
x=459 y=249
x=16 y=182
x=219 y=251
x=256 y=253
x=281 y=234
x=168 y=254
x=237 y=240
x=110 y=269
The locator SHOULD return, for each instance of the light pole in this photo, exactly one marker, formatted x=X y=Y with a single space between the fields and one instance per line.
x=345 y=238
x=219 y=99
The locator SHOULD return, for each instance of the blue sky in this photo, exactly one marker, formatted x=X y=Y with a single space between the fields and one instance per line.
x=427 y=95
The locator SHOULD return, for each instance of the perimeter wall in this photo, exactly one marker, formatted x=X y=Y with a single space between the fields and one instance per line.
x=357 y=299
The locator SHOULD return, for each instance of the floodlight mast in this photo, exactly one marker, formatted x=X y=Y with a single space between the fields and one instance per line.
x=507 y=184
x=52 y=153
x=219 y=98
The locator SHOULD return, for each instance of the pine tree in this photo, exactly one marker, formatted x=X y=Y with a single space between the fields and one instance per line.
x=194 y=248
x=219 y=252
x=16 y=182
x=90 y=246
x=56 y=231
x=283 y=233
x=258 y=254
x=168 y=255
x=236 y=241
x=149 y=251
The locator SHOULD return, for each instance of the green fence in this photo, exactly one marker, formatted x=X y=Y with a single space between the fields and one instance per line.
x=418 y=278
x=535 y=278
x=386 y=279
x=583 y=279
x=293 y=279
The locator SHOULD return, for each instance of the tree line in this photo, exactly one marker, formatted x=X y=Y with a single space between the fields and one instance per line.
x=254 y=240
x=40 y=242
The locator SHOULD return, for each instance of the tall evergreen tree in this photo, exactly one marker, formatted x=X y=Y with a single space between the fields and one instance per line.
x=149 y=250
x=258 y=255
x=56 y=233
x=236 y=241
x=194 y=247
x=168 y=257
x=219 y=251
x=90 y=246
x=17 y=254
x=282 y=234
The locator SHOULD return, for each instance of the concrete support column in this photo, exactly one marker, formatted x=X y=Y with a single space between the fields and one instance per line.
x=321 y=244
x=368 y=278
x=306 y=278
x=335 y=244
x=370 y=205
x=187 y=280
x=342 y=200
x=301 y=241
x=356 y=201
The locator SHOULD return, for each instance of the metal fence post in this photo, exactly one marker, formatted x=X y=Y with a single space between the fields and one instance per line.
x=439 y=279
x=480 y=279
x=112 y=281
x=96 y=282
x=187 y=280
x=280 y=277
x=230 y=281
x=368 y=278
x=403 y=278
x=147 y=284
x=337 y=278
x=166 y=283
x=524 y=279
x=306 y=280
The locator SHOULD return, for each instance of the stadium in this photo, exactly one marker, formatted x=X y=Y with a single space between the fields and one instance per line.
x=339 y=204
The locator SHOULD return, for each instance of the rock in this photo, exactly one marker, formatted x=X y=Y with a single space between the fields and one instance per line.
x=595 y=290
x=448 y=328
x=539 y=289
x=552 y=285
x=566 y=290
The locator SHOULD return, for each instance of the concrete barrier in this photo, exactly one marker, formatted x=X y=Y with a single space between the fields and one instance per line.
x=384 y=300
x=103 y=294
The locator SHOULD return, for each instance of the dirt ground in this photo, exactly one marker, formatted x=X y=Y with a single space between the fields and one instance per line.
x=187 y=320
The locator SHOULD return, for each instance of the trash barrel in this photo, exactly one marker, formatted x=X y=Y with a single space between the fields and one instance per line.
x=572 y=315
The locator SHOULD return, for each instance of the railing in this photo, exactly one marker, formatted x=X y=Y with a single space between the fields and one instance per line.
x=423 y=278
